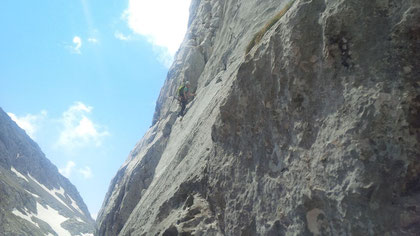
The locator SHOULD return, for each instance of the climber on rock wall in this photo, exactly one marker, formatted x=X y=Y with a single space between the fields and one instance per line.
x=184 y=95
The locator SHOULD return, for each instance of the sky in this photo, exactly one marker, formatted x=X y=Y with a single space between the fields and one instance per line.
x=82 y=77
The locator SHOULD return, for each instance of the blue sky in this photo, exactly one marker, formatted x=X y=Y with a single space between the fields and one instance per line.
x=82 y=78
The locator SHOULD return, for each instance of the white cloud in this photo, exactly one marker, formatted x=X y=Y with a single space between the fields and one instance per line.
x=30 y=123
x=122 y=37
x=93 y=40
x=66 y=171
x=79 y=130
x=163 y=22
x=86 y=172
x=77 y=41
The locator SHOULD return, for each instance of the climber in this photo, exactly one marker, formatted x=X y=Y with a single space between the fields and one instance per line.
x=184 y=95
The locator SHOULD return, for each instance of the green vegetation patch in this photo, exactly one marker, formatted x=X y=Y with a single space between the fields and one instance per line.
x=258 y=36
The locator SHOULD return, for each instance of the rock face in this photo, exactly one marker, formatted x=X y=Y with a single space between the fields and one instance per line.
x=315 y=131
x=35 y=199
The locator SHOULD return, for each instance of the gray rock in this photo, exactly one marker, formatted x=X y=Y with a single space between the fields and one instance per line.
x=315 y=131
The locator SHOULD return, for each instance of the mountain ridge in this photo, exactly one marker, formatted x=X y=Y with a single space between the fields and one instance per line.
x=36 y=193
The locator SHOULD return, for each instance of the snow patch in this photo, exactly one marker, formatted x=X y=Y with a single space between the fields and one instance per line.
x=19 y=174
x=74 y=204
x=80 y=220
x=52 y=192
x=48 y=215
x=27 y=217
x=33 y=194
x=53 y=218
x=94 y=215
x=60 y=191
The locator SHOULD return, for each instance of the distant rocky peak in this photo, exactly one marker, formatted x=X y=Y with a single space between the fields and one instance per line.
x=38 y=199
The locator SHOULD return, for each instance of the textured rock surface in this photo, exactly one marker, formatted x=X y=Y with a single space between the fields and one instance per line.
x=316 y=131
x=33 y=195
